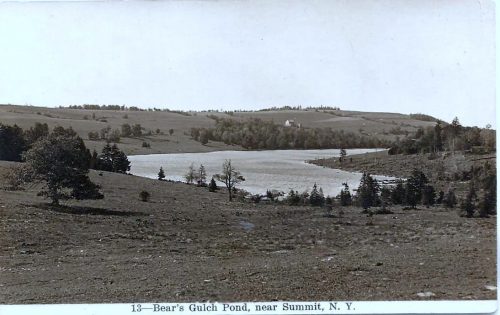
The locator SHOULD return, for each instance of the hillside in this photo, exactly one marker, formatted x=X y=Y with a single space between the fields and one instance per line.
x=381 y=125
x=180 y=248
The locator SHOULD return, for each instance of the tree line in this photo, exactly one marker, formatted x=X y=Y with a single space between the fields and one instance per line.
x=447 y=137
x=257 y=134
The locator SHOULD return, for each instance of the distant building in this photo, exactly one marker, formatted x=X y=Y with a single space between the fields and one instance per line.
x=292 y=123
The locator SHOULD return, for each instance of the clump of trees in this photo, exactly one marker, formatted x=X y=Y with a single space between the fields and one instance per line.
x=259 y=134
x=111 y=159
x=447 y=137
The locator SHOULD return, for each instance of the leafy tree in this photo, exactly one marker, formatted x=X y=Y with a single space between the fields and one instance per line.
x=59 y=161
x=136 y=130
x=126 y=130
x=345 y=196
x=93 y=135
x=114 y=136
x=190 y=175
x=161 y=174
x=12 y=143
x=201 y=176
x=230 y=177
x=212 y=186
x=367 y=192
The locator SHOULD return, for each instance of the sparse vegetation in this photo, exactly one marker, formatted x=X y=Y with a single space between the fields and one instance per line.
x=230 y=177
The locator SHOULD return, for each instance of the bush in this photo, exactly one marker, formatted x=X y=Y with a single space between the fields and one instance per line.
x=146 y=144
x=144 y=196
x=93 y=135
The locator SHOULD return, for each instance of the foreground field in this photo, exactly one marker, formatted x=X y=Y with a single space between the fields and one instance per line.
x=188 y=244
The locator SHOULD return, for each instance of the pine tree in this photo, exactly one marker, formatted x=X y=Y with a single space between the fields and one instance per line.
x=317 y=197
x=345 y=196
x=120 y=162
x=468 y=205
x=367 y=192
x=293 y=198
x=450 y=200
x=428 y=196
x=161 y=174
x=398 y=193
x=212 y=186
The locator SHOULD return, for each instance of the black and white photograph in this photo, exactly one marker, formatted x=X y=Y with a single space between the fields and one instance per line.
x=248 y=151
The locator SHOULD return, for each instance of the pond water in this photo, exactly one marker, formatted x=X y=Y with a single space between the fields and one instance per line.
x=280 y=170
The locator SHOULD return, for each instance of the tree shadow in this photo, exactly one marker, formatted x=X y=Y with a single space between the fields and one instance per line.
x=87 y=210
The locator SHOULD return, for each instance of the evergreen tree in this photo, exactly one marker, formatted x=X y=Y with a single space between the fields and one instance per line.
x=343 y=154
x=12 y=143
x=489 y=202
x=367 y=192
x=94 y=159
x=161 y=174
x=345 y=196
x=317 y=197
x=113 y=159
x=120 y=162
x=398 y=193
x=428 y=196
x=468 y=205
x=414 y=188
x=212 y=186
x=293 y=198
x=450 y=200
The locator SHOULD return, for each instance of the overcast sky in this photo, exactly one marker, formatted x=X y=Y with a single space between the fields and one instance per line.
x=433 y=57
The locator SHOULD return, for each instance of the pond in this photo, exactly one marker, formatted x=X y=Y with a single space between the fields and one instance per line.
x=280 y=170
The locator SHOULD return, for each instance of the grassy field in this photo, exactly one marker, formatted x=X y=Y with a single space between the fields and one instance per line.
x=371 y=124
x=187 y=244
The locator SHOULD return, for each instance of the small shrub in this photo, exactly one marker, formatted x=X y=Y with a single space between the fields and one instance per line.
x=146 y=144
x=144 y=196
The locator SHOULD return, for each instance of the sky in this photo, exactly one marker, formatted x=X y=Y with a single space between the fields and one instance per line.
x=432 y=57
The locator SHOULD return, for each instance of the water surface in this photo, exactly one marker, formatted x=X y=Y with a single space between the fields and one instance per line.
x=280 y=170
